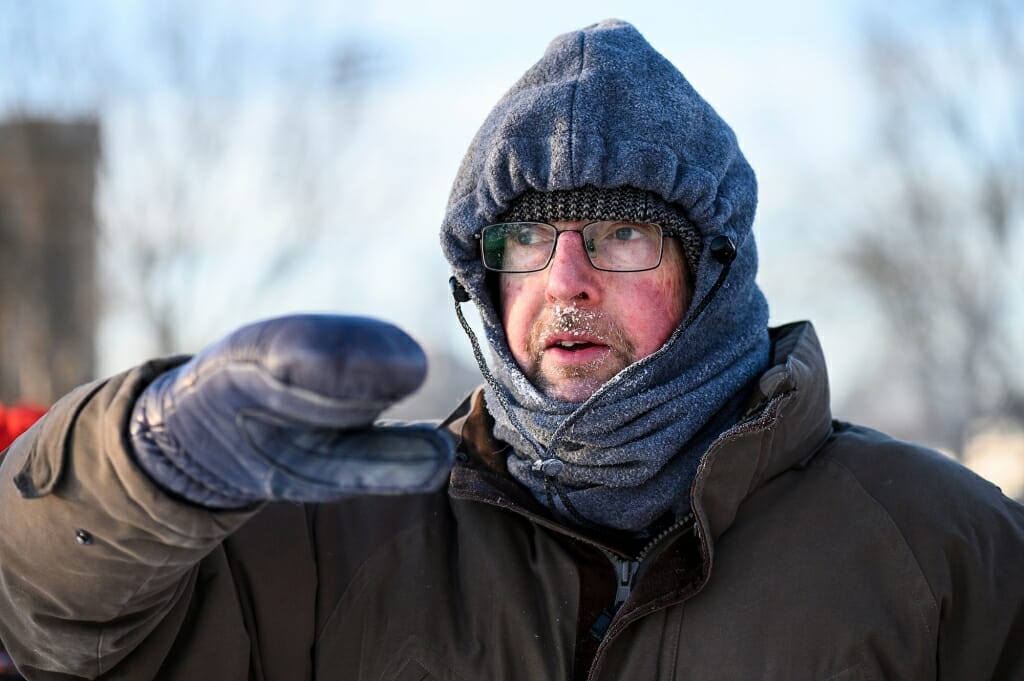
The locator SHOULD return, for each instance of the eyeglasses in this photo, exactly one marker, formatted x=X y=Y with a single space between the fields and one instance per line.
x=610 y=245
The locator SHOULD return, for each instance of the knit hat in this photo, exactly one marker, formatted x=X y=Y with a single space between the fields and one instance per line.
x=621 y=203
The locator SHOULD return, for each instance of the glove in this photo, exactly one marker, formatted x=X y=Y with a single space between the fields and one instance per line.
x=283 y=409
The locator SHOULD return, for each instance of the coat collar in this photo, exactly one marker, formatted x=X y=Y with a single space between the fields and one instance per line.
x=788 y=422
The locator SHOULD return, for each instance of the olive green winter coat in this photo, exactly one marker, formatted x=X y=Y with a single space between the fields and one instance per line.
x=818 y=551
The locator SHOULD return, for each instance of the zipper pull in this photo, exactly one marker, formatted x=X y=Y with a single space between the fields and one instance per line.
x=627 y=570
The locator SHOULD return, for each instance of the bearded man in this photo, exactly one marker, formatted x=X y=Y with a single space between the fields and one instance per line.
x=650 y=485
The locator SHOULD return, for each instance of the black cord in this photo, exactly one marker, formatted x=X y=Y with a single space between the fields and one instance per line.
x=482 y=364
x=569 y=506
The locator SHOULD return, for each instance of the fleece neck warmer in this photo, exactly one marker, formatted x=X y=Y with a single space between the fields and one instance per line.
x=603 y=109
x=634 y=453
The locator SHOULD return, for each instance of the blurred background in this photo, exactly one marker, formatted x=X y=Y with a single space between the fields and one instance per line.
x=170 y=170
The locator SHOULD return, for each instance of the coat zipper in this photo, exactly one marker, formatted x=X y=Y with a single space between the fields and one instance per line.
x=685 y=521
x=626 y=570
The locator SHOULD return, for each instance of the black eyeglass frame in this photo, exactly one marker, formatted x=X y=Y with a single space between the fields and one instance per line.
x=663 y=232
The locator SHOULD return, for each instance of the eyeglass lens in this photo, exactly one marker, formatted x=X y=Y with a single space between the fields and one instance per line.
x=610 y=245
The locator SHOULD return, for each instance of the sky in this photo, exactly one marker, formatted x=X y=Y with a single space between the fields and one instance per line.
x=786 y=75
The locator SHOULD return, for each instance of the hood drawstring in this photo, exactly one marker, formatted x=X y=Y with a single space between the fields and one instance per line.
x=460 y=295
x=723 y=251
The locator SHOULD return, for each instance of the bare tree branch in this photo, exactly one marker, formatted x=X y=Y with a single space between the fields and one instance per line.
x=941 y=251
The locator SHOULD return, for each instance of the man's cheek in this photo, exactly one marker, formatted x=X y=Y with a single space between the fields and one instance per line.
x=519 y=313
x=519 y=332
x=650 y=312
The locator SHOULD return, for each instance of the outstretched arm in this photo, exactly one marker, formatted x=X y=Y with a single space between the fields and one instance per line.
x=112 y=500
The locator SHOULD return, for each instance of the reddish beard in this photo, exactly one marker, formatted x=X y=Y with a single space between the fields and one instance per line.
x=591 y=325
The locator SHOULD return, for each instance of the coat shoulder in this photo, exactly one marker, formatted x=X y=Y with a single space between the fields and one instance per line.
x=960 y=527
x=903 y=476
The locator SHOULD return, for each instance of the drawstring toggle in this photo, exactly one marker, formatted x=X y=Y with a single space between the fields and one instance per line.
x=549 y=468
x=723 y=249
x=459 y=292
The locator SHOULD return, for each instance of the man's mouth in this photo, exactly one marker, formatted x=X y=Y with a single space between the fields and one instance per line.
x=575 y=352
x=573 y=345
x=575 y=341
x=572 y=351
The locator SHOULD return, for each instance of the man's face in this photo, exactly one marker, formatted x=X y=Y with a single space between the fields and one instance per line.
x=572 y=327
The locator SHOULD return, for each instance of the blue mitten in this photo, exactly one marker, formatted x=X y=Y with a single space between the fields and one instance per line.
x=284 y=409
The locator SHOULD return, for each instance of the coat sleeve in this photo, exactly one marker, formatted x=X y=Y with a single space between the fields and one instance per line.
x=95 y=560
x=981 y=586
x=968 y=539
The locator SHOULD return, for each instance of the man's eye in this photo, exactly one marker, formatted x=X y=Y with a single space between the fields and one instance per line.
x=528 y=237
x=626 y=233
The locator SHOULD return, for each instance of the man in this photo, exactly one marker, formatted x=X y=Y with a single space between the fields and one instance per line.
x=650 y=486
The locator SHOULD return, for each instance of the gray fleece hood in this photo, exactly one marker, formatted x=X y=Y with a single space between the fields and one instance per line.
x=603 y=109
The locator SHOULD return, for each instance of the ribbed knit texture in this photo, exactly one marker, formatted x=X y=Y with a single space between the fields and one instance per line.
x=591 y=203
x=603 y=109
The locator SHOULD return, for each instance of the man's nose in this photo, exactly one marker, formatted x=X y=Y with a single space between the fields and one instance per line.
x=570 y=274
